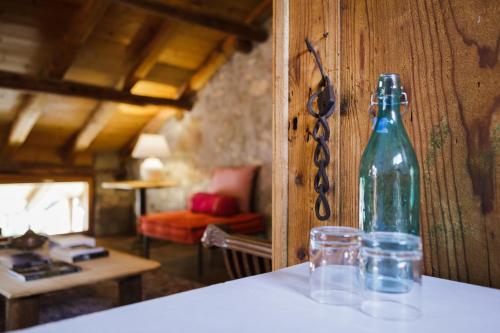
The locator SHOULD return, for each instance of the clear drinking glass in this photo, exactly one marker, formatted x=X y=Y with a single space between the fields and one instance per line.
x=390 y=275
x=334 y=276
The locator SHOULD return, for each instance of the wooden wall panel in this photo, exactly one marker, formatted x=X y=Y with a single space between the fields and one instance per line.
x=447 y=54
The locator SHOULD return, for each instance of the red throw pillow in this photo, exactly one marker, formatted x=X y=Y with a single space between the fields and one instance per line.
x=202 y=203
x=214 y=204
x=225 y=205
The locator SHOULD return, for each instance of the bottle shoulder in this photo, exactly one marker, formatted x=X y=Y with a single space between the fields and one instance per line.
x=388 y=153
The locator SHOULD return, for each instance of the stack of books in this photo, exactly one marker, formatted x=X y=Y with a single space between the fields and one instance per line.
x=29 y=266
x=75 y=248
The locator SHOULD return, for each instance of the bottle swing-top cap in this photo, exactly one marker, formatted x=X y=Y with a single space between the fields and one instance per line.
x=389 y=91
x=389 y=84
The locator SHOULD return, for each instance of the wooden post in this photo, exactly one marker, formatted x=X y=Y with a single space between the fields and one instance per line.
x=295 y=77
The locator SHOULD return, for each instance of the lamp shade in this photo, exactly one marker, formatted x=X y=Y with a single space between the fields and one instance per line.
x=151 y=145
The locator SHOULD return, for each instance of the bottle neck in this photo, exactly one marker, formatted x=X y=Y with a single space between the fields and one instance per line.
x=388 y=118
x=389 y=111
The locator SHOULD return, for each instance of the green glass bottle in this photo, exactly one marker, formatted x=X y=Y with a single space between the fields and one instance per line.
x=389 y=173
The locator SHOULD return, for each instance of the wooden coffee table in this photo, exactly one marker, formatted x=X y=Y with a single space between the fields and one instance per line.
x=19 y=301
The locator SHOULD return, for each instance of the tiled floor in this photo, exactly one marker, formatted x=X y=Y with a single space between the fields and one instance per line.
x=178 y=259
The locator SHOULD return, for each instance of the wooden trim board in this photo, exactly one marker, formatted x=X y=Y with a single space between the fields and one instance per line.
x=280 y=126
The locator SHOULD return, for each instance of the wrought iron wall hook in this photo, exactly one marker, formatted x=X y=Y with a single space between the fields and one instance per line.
x=325 y=101
x=311 y=49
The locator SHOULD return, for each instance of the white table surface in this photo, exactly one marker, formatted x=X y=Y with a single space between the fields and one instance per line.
x=278 y=302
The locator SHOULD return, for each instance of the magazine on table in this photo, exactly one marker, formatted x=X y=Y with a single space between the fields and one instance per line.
x=54 y=268
x=23 y=259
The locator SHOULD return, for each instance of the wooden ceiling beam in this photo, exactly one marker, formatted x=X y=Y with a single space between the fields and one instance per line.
x=25 y=120
x=75 y=89
x=223 y=53
x=81 y=26
x=148 y=56
x=26 y=116
x=143 y=53
x=235 y=28
x=94 y=125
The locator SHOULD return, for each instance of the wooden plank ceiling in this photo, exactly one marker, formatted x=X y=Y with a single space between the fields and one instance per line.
x=66 y=65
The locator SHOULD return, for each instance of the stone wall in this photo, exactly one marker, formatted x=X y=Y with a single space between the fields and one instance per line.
x=230 y=125
x=113 y=209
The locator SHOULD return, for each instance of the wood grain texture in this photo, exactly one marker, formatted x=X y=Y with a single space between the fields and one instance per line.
x=280 y=128
x=447 y=54
x=76 y=89
x=317 y=20
x=219 y=23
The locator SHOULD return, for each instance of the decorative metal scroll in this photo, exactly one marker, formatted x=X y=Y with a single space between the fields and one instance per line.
x=325 y=102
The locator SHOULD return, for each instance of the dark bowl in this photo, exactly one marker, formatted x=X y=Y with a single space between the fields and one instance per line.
x=29 y=241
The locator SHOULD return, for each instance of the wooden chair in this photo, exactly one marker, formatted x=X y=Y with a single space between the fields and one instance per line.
x=243 y=255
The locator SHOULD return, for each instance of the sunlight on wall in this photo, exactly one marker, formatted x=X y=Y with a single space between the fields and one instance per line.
x=47 y=208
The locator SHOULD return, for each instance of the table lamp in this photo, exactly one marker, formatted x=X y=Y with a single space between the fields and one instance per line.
x=151 y=147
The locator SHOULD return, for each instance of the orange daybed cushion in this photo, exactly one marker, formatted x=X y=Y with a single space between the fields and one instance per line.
x=188 y=227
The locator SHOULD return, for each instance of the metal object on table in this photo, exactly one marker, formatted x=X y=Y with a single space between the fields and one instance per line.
x=30 y=240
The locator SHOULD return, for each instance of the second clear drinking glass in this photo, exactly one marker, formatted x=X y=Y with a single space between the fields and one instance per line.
x=390 y=275
x=333 y=255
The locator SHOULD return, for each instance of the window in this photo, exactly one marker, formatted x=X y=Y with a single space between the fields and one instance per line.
x=45 y=207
